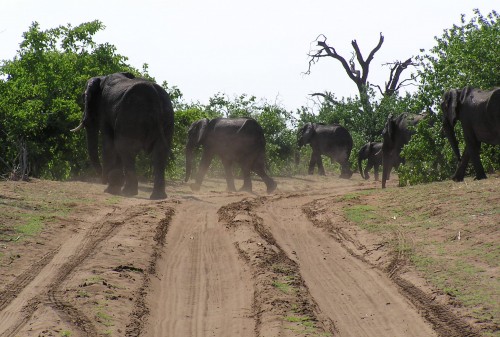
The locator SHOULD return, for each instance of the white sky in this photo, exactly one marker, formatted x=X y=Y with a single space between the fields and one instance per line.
x=256 y=47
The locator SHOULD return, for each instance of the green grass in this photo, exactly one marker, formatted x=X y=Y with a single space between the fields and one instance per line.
x=284 y=287
x=363 y=216
x=304 y=325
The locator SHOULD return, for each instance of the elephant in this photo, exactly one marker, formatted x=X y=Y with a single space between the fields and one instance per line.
x=396 y=135
x=371 y=151
x=131 y=114
x=332 y=140
x=239 y=140
x=479 y=114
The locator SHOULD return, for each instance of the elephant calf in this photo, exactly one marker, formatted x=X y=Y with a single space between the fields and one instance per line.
x=239 y=140
x=372 y=152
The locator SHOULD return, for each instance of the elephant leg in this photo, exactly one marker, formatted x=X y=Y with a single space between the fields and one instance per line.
x=474 y=151
x=259 y=168
x=159 y=157
x=319 y=162
x=228 y=169
x=109 y=157
x=247 y=179
x=206 y=159
x=462 y=166
x=115 y=178
x=367 y=169
x=131 y=184
x=312 y=164
x=376 y=169
x=386 y=170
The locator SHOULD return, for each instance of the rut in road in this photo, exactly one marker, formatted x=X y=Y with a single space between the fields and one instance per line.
x=39 y=287
x=202 y=288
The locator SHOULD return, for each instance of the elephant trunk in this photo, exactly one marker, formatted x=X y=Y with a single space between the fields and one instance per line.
x=189 y=161
x=92 y=146
x=360 y=166
x=297 y=156
x=450 y=134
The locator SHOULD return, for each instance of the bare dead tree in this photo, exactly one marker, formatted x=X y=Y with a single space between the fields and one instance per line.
x=357 y=69
x=359 y=77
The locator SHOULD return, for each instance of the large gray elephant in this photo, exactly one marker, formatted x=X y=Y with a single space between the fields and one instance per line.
x=131 y=114
x=233 y=140
x=479 y=114
x=372 y=152
x=396 y=135
x=333 y=141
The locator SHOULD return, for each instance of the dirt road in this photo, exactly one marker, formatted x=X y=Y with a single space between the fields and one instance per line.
x=209 y=263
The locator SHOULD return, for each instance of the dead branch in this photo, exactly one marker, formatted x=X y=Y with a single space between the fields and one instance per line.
x=327 y=96
x=357 y=76
x=397 y=69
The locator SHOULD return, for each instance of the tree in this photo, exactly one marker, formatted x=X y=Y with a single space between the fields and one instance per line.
x=40 y=96
x=359 y=75
x=465 y=55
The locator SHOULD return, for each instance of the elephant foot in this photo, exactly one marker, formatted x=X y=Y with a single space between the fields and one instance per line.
x=158 y=195
x=457 y=179
x=115 y=190
x=246 y=189
x=194 y=187
x=480 y=177
x=345 y=175
x=271 y=187
x=129 y=192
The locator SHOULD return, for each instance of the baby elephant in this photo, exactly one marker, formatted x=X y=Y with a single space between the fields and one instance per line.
x=372 y=152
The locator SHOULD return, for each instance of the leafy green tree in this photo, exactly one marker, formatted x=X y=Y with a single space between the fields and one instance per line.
x=465 y=55
x=40 y=95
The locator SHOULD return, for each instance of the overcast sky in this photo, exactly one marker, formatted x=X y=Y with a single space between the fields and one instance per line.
x=256 y=47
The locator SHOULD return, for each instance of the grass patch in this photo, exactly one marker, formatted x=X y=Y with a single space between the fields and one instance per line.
x=65 y=333
x=304 y=325
x=284 y=287
x=362 y=215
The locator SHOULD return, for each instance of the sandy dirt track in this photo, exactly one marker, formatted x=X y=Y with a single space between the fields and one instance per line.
x=213 y=263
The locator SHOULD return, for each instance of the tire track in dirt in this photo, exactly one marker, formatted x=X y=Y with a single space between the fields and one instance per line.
x=42 y=288
x=202 y=288
x=444 y=322
x=282 y=305
x=359 y=299
x=139 y=315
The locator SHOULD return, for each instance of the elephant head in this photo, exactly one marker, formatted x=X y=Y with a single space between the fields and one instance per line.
x=450 y=107
x=196 y=136
x=305 y=134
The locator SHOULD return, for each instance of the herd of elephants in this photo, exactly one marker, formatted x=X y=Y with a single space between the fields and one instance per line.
x=133 y=114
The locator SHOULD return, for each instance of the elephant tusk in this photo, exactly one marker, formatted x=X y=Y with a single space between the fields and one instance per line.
x=77 y=128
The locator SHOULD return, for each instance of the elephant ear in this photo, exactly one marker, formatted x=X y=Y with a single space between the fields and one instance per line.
x=308 y=131
x=91 y=98
x=202 y=129
x=451 y=108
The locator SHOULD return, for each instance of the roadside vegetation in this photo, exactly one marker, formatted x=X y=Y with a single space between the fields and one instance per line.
x=41 y=100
